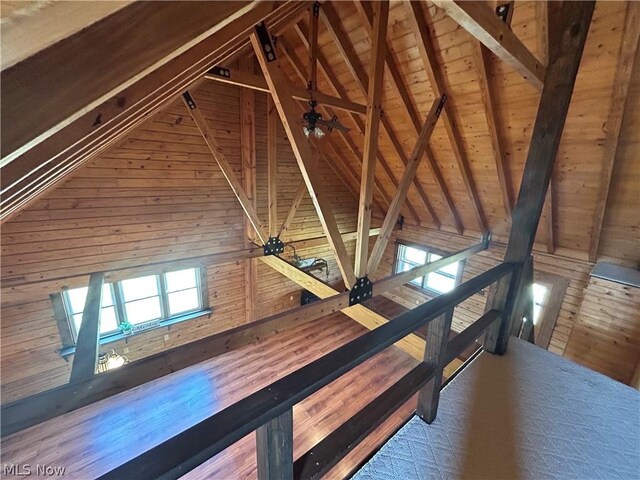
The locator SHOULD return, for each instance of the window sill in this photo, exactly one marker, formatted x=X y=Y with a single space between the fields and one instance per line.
x=70 y=350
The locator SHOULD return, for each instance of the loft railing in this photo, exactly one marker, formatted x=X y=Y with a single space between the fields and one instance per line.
x=269 y=411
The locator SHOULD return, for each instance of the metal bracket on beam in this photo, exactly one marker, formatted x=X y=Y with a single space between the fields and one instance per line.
x=266 y=42
x=220 y=72
x=274 y=246
x=189 y=99
x=443 y=99
x=502 y=11
x=316 y=9
x=361 y=291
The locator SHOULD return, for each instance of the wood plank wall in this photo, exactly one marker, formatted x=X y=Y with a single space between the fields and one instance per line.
x=156 y=196
x=608 y=322
x=599 y=321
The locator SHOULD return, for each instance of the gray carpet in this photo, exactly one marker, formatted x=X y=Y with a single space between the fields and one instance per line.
x=527 y=415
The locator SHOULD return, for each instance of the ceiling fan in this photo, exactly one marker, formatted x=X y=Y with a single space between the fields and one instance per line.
x=312 y=122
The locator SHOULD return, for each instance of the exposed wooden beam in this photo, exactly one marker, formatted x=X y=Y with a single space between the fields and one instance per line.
x=297 y=200
x=482 y=24
x=47 y=164
x=284 y=102
x=272 y=166
x=412 y=344
x=565 y=53
x=436 y=79
x=396 y=79
x=85 y=360
x=353 y=179
x=625 y=67
x=409 y=173
x=43 y=406
x=227 y=170
x=333 y=24
x=481 y=61
x=372 y=128
x=256 y=82
x=339 y=90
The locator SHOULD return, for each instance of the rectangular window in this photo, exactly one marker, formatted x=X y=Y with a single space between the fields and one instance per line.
x=539 y=301
x=442 y=280
x=139 y=302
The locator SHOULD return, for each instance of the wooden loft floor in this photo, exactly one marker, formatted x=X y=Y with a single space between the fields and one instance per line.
x=91 y=441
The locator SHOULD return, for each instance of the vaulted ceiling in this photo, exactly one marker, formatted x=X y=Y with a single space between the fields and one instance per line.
x=469 y=178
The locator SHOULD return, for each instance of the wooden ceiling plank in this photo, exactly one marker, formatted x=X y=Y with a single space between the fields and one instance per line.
x=397 y=82
x=50 y=162
x=285 y=105
x=299 y=69
x=85 y=359
x=625 y=67
x=297 y=200
x=225 y=167
x=436 y=79
x=566 y=50
x=372 y=129
x=410 y=171
x=341 y=40
x=482 y=24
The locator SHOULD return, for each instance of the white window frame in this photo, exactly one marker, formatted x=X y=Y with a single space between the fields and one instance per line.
x=119 y=303
x=422 y=286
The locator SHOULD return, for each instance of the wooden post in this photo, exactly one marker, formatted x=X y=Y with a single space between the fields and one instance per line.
x=85 y=359
x=272 y=166
x=434 y=356
x=524 y=308
x=374 y=111
x=274 y=448
x=248 y=159
x=566 y=51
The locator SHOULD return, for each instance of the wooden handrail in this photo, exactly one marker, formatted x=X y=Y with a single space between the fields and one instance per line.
x=326 y=454
x=192 y=447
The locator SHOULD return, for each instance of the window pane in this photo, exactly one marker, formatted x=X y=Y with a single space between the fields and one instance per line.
x=142 y=287
x=433 y=257
x=107 y=298
x=417 y=281
x=77 y=320
x=440 y=283
x=77 y=297
x=183 y=301
x=539 y=292
x=108 y=321
x=143 y=310
x=537 y=309
x=450 y=269
x=403 y=266
x=181 y=280
x=414 y=255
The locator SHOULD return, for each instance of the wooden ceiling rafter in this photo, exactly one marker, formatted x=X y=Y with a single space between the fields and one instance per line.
x=332 y=22
x=397 y=83
x=481 y=61
x=482 y=24
x=285 y=104
x=338 y=89
x=29 y=176
x=372 y=128
x=436 y=79
x=300 y=71
x=623 y=76
x=410 y=171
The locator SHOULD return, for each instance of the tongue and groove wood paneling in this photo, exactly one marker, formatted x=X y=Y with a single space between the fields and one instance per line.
x=157 y=196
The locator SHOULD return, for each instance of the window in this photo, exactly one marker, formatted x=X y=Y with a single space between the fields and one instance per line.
x=440 y=281
x=139 y=303
x=539 y=301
